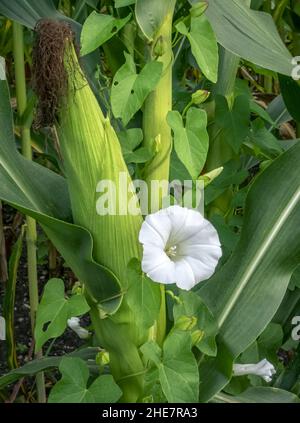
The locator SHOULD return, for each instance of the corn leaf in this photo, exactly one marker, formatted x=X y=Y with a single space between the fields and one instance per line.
x=9 y=300
x=123 y=3
x=290 y=91
x=259 y=394
x=246 y=293
x=35 y=366
x=249 y=34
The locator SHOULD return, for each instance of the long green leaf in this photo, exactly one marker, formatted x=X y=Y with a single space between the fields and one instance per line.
x=259 y=395
x=290 y=91
x=249 y=34
x=245 y=294
x=28 y=12
x=9 y=300
x=45 y=363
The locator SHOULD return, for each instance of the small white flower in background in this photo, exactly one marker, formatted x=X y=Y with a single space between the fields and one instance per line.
x=264 y=369
x=2 y=329
x=74 y=324
x=179 y=246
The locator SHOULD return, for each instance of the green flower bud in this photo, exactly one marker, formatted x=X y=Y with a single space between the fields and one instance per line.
x=160 y=47
x=200 y=96
x=210 y=176
x=185 y=323
x=197 y=336
x=198 y=9
x=102 y=359
x=77 y=288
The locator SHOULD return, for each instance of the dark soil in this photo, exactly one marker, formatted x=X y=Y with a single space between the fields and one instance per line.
x=23 y=338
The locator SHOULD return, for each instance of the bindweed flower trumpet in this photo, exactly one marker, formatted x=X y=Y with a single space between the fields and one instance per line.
x=264 y=369
x=74 y=324
x=179 y=246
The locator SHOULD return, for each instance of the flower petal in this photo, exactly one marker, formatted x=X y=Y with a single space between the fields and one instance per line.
x=148 y=235
x=157 y=265
x=185 y=278
x=202 y=271
x=156 y=229
x=203 y=234
x=184 y=222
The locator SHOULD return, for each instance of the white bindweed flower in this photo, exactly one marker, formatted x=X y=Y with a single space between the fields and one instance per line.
x=74 y=324
x=179 y=246
x=264 y=369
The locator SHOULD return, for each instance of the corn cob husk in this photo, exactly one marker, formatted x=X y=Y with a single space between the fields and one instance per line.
x=92 y=153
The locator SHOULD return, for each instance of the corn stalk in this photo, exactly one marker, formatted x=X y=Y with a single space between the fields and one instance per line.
x=157 y=131
x=31 y=234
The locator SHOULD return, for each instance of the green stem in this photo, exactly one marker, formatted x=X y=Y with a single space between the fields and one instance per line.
x=156 y=128
x=220 y=152
x=52 y=255
x=3 y=259
x=156 y=108
x=280 y=8
x=179 y=49
x=114 y=333
x=268 y=84
x=31 y=234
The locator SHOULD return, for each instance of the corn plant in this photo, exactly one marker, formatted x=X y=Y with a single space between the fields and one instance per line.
x=174 y=198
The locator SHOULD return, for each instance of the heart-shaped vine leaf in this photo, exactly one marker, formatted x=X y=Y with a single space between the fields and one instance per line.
x=191 y=305
x=73 y=386
x=191 y=140
x=54 y=310
x=98 y=29
x=177 y=367
x=143 y=295
x=130 y=89
x=203 y=44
